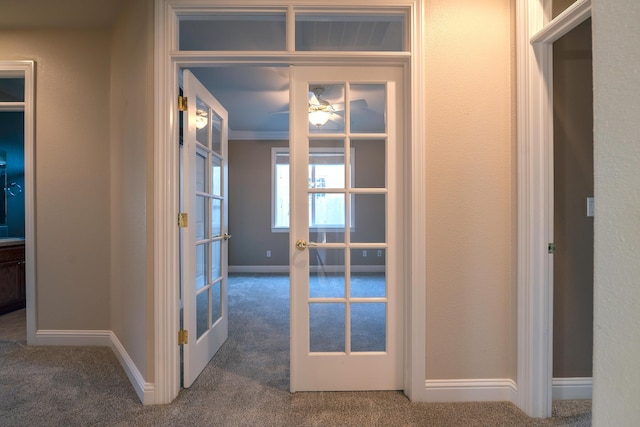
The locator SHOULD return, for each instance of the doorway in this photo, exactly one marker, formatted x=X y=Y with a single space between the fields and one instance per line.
x=536 y=35
x=366 y=267
x=17 y=257
x=407 y=17
x=573 y=214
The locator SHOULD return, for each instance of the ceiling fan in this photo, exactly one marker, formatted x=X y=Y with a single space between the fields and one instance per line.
x=322 y=111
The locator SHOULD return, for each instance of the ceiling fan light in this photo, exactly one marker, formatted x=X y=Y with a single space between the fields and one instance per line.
x=201 y=119
x=319 y=114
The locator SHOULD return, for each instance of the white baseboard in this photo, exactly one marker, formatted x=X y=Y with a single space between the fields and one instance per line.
x=146 y=391
x=283 y=269
x=257 y=269
x=471 y=390
x=572 y=388
x=73 y=338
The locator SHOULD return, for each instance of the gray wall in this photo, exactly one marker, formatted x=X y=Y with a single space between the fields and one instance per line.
x=616 y=377
x=559 y=6
x=131 y=162
x=71 y=173
x=94 y=176
x=573 y=183
x=250 y=206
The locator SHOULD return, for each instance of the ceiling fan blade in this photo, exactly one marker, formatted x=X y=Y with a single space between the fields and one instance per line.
x=337 y=118
x=313 y=99
x=359 y=103
x=356 y=103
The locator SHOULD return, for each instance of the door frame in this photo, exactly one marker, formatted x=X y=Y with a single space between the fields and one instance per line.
x=536 y=33
x=166 y=183
x=26 y=69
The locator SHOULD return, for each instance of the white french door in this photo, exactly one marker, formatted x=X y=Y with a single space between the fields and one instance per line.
x=345 y=218
x=204 y=239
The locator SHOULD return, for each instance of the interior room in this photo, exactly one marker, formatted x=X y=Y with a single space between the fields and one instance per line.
x=12 y=210
x=498 y=322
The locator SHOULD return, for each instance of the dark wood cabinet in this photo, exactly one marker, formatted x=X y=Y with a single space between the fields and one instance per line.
x=12 y=282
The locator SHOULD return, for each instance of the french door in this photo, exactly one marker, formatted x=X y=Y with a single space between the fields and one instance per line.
x=204 y=233
x=345 y=217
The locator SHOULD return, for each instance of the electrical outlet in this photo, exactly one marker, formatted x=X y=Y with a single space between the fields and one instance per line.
x=379 y=253
x=364 y=254
x=268 y=253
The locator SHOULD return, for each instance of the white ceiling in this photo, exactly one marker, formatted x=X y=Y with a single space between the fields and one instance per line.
x=257 y=98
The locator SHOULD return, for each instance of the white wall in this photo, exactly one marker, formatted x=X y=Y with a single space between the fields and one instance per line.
x=470 y=189
x=616 y=388
x=72 y=173
x=131 y=183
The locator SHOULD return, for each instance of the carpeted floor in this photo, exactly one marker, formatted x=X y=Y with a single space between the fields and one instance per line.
x=246 y=384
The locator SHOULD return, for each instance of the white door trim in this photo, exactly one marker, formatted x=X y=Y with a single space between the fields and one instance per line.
x=534 y=41
x=26 y=69
x=166 y=267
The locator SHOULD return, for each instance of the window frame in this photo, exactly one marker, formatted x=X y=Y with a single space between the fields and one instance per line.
x=275 y=151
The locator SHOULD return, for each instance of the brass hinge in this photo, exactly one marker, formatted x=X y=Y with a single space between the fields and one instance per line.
x=552 y=248
x=183 y=220
x=182 y=103
x=183 y=337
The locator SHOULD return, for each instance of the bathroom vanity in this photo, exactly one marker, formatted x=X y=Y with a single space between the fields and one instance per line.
x=12 y=279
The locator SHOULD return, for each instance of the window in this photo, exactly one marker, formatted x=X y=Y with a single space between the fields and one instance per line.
x=267 y=31
x=326 y=170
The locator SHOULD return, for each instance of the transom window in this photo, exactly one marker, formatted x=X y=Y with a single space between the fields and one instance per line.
x=266 y=31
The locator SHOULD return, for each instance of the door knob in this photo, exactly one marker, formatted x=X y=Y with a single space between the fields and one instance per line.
x=226 y=236
x=301 y=245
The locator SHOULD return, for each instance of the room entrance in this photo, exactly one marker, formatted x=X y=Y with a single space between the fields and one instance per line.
x=348 y=284
x=280 y=36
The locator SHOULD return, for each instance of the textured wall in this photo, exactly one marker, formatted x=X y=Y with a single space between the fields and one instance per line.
x=616 y=391
x=131 y=183
x=470 y=189
x=72 y=173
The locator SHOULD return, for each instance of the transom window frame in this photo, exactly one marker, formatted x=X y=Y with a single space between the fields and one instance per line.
x=291 y=14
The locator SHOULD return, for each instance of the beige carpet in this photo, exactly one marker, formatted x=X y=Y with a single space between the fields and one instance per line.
x=245 y=385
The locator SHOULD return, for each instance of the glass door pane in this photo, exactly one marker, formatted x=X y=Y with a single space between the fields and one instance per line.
x=345 y=211
x=341 y=320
